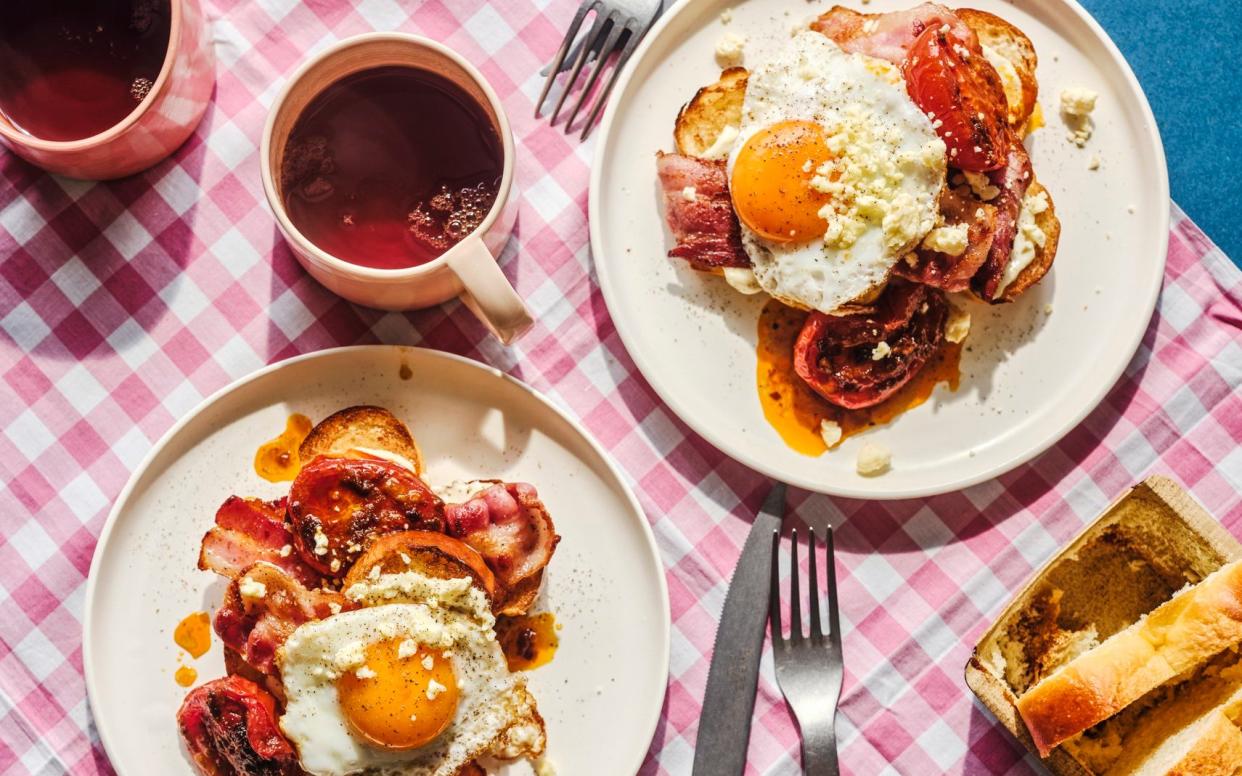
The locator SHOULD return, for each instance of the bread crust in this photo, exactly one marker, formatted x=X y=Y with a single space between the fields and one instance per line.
x=1048 y=222
x=361 y=426
x=1185 y=631
x=1011 y=43
x=714 y=107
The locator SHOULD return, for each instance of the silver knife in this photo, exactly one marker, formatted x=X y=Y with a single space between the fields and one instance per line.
x=729 y=703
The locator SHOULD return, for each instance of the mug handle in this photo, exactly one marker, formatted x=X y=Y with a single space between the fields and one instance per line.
x=487 y=292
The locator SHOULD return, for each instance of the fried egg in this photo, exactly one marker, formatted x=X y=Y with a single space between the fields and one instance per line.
x=413 y=684
x=835 y=173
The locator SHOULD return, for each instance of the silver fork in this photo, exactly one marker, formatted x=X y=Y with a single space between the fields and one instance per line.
x=617 y=25
x=809 y=668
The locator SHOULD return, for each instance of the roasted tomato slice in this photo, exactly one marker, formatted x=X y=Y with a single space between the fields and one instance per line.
x=950 y=81
x=837 y=357
x=229 y=727
x=337 y=506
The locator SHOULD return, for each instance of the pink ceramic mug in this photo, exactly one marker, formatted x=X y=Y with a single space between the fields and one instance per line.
x=155 y=128
x=468 y=269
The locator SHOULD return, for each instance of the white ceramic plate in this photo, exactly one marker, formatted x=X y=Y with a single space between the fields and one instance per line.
x=1028 y=377
x=601 y=693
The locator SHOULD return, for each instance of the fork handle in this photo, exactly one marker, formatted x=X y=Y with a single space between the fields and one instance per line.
x=819 y=749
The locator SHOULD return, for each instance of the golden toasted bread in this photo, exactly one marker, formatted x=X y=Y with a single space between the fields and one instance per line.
x=1039 y=266
x=520 y=598
x=432 y=554
x=365 y=428
x=1012 y=44
x=712 y=108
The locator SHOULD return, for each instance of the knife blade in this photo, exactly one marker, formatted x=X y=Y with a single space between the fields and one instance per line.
x=729 y=702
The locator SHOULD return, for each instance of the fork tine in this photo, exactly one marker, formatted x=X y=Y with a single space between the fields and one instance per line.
x=834 y=618
x=795 y=593
x=588 y=42
x=774 y=590
x=602 y=98
x=813 y=585
x=555 y=70
x=605 y=52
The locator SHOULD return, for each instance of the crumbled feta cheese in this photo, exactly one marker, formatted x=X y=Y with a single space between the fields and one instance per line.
x=365 y=673
x=406 y=648
x=949 y=240
x=830 y=430
x=335 y=565
x=404 y=558
x=349 y=656
x=1077 y=103
x=729 y=49
x=981 y=185
x=374 y=573
x=1094 y=164
x=428 y=662
x=334 y=607
x=434 y=689
x=286 y=551
x=723 y=143
x=251 y=589
x=873 y=459
x=957 y=326
x=321 y=541
x=689 y=194
x=880 y=351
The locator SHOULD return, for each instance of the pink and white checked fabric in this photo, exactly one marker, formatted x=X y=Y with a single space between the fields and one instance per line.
x=123 y=304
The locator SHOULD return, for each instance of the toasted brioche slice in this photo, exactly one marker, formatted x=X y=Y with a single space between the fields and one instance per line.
x=1048 y=222
x=432 y=554
x=520 y=598
x=1013 y=56
x=712 y=108
x=1184 y=632
x=363 y=428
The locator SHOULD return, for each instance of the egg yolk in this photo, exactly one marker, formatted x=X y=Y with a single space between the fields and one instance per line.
x=771 y=182
x=406 y=703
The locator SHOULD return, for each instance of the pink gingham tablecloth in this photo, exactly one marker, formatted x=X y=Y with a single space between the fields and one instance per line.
x=123 y=304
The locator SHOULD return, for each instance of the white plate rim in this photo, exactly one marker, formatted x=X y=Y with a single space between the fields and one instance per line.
x=877 y=490
x=103 y=726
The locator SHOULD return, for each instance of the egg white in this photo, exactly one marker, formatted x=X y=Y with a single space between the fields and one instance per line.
x=862 y=104
x=495 y=715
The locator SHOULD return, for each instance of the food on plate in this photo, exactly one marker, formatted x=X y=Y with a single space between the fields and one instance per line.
x=1124 y=654
x=360 y=619
x=861 y=171
x=1077 y=103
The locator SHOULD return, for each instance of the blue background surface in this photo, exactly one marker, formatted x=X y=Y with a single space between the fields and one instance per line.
x=1187 y=56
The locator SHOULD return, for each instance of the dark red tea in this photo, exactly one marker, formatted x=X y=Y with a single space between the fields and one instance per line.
x=391 y=167
x=70 y=69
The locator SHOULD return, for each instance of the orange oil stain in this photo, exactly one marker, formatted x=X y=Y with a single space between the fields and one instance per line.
x=797 y=412
x=528 y=640
x=193 y=634
x=277 y=460
x=185 y=676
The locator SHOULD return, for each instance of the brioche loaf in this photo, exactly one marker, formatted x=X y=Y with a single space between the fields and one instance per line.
x=1194 y=732
x=1182 y=633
